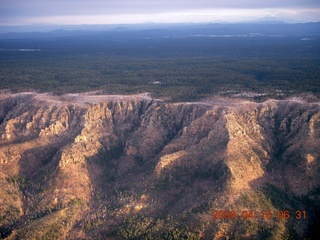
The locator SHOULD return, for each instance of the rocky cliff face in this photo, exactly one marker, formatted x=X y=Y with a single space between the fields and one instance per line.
x=87 y=166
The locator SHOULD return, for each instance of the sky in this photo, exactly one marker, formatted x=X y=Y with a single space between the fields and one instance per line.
x=60 y=12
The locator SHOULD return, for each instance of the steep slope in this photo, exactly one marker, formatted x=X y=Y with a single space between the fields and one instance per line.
x=89 y=166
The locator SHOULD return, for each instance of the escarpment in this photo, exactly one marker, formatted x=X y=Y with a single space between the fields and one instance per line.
x=89 y=166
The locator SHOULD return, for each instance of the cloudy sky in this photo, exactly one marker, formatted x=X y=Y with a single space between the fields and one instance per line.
x=26 y=12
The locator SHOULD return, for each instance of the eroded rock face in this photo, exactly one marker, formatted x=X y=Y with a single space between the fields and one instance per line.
x=78 y=166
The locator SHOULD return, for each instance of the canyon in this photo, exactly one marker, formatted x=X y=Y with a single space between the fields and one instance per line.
x=87 y=166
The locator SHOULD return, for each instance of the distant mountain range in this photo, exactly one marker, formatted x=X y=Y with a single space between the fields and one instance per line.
x=272 y=20
x=260 y=26
x=106 y=27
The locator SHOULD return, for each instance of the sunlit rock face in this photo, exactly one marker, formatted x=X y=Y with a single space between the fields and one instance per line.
x=89 y=166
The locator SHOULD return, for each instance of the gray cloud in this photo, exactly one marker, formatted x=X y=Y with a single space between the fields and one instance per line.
x=61 y=7
x=47 y=8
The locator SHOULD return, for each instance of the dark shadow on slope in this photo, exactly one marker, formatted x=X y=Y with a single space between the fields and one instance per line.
x=176 y=192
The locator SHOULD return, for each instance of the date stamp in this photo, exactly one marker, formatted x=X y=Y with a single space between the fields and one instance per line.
x=250 y=214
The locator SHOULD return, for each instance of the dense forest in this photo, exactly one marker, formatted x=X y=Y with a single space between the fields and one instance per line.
x=183 y=64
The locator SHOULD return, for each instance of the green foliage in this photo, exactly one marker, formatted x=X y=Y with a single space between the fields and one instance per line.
x=185 y=78
x=181 y=234
x=141 y=227
x=280 y=199
x=76 y=202
x=91 y=224
x=136 y=228
x=49 y=226
x=29 y=185
x=19 y=180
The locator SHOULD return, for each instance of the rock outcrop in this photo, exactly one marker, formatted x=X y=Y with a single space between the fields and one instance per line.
x=85 y=166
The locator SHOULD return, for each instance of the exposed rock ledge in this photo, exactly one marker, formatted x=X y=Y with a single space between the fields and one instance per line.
x=213 y=152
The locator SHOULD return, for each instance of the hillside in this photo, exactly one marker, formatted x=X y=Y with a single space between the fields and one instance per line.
x=81 y=166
